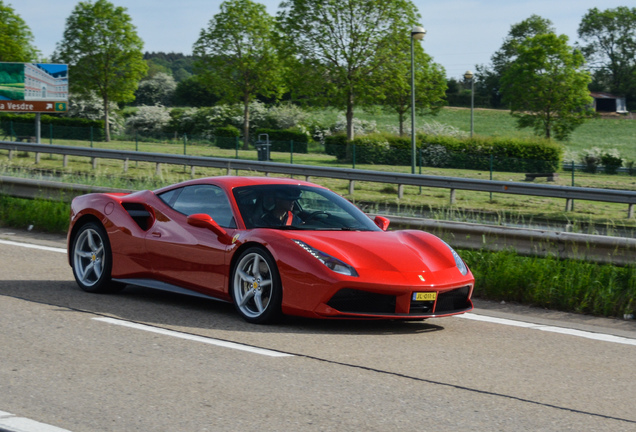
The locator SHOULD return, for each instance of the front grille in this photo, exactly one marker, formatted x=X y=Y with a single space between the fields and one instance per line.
x=453 y=300
x=356 y=301
x=421 y=307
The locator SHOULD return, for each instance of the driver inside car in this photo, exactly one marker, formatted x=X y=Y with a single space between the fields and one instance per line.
x=281 y=213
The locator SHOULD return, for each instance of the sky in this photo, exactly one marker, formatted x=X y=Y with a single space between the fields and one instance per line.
x=460 y=33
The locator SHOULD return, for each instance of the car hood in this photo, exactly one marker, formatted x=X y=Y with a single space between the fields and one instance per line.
x=392 y=251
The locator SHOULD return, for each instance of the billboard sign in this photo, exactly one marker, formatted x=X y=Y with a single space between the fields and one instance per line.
x=33 y=87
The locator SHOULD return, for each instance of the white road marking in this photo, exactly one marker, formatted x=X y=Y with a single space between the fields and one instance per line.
x=211 y=341
x=12 y=423
x=33 y=246
x=562 y=330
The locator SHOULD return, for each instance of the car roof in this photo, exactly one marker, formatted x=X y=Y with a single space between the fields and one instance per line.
x=230 y=182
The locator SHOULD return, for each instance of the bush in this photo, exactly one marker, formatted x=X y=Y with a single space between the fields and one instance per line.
x=285 y=116
x=61 y=127
x=280 y=140
x=148 y=120
x=591 y=159
x=336 y=145
x=226 y=137
x=503 y=154
x=612 y=161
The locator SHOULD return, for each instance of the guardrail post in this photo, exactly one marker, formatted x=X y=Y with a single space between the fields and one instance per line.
x=191 y=171
x=308 y=178
x=158 y=169
x=352 y=185
x=126 y=165
x=630 y=211
x=453 y=198
x=569 y=204
x=94 y=163
x=229 y=167
x=491 y=165
x=65 y=161
x=37 y=158
x=401 y=191
x=10 y=154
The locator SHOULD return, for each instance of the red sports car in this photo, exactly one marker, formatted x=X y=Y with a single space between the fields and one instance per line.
x=270 y=246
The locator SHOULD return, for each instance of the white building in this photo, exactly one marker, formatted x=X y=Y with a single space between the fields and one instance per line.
x=40 y=84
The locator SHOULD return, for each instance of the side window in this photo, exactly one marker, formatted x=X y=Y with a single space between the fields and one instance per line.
x=206 y=199
x=169 y=196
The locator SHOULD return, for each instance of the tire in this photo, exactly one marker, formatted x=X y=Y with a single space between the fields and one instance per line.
x=256 y=287
x=92 y=260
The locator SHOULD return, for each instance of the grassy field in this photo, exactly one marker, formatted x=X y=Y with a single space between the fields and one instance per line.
x=609 y=132
x=602 y=132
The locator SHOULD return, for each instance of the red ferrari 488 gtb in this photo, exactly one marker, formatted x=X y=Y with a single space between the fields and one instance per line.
x=270 y=246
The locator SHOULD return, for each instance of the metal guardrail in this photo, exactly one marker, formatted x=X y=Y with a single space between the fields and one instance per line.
x=569 y=193
x=536 y=242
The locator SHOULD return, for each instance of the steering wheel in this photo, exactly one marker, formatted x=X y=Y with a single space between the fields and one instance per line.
x=313 y=215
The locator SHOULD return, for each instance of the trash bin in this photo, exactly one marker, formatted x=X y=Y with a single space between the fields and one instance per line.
x=262 y=147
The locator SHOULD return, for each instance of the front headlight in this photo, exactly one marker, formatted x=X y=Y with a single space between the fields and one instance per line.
x=458 y=260
x=333 y=264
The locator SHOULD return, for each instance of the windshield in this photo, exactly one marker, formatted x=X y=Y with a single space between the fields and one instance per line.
x=299 y=207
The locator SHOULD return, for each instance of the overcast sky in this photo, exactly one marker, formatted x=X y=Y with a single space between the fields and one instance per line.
x=460 y=33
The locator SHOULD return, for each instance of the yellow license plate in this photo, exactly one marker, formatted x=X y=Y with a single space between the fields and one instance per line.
x=424 y=296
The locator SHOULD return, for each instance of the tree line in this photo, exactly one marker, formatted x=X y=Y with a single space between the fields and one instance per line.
x=349 y=54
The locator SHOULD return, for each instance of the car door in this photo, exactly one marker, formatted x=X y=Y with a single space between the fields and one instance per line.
x=188 y=256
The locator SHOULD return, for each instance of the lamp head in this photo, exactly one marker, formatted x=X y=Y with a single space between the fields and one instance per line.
x=418 y=33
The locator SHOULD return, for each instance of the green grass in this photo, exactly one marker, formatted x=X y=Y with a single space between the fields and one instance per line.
x=43 y=215
x=566 y=285
x=470 y=206
x=613 y=132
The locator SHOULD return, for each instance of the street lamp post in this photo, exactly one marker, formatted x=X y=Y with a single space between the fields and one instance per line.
x=470 y=76
x=417 y=33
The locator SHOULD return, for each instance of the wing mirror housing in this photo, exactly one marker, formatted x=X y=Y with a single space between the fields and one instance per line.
x=202 y=220
x=382 y=222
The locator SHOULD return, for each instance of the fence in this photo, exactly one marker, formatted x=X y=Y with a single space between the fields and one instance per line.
x=291 y=151
x=352 y=175
x=535 y=242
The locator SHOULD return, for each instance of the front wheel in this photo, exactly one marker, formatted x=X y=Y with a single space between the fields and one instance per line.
x=256 y=287
x=92 y=260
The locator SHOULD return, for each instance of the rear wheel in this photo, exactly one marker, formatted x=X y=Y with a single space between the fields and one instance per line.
x=93 y=260
x=256 y=287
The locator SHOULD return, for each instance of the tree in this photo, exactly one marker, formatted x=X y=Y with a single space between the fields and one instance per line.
x=335 y=47
x=609 y=38
x=237 y=56
x=546 y=86
x=393 y=83
x=103 y=50
x=158 y=89
x=16 y=39
x=192 y=92
x=488 y=79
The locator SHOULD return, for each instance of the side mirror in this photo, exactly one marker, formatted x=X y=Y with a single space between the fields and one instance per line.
x=382 y=222
x=202 y=220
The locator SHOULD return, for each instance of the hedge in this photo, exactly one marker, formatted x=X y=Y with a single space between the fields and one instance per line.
x=500 y=153
x=281 y=139
x=59 y=127
x=226 y=137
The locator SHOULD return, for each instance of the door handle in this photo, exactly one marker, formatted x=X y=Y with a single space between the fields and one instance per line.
x=156 y=234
